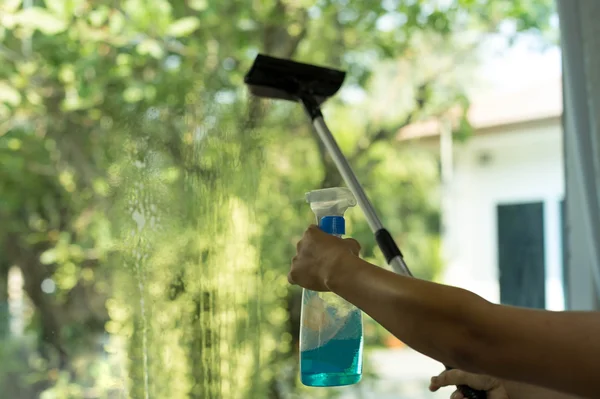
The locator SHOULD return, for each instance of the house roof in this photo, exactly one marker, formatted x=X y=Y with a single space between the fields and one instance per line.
x=538 y=101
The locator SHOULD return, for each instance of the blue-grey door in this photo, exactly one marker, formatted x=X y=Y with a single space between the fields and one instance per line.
x=521 y=257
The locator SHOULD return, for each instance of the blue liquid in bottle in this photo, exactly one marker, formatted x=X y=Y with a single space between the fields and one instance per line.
x=339 y=361
x=331 y=333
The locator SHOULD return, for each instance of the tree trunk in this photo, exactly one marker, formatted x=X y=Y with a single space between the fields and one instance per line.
x=4 y=314
x=34 y=273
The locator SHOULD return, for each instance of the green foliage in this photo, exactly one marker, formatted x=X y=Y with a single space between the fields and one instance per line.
x=159 y=207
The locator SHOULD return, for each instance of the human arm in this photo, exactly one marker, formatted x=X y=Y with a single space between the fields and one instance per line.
x=557 y=350
x=495 y=388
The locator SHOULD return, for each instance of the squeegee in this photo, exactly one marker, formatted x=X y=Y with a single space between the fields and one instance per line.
x=312 y=85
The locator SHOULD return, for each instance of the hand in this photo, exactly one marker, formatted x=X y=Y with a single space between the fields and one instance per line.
x=493 y=386
x=318 y=254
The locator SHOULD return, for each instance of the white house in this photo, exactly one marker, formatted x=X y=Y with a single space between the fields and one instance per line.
x=503 y=192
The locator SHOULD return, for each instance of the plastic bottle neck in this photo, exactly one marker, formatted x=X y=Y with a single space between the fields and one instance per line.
x=335 y=225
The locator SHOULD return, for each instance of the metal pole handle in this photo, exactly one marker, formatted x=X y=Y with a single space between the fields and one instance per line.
x=383 y=237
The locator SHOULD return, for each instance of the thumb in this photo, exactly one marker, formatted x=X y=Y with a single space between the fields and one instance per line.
x=459 y=377
x=352 y=245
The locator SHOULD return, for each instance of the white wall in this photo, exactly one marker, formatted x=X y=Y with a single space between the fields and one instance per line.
x=525 y=164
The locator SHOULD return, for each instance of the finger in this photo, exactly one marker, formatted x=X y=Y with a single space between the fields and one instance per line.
x=459 y=377
x=290 y=279
x=457 y=395
x=353 y=245
x=313 y=228
x=290 y=276
x=434 y=384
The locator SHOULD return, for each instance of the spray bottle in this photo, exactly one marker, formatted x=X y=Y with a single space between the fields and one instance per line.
x=331 y=329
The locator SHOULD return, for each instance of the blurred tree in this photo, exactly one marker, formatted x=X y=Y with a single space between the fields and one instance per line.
x=152 y=208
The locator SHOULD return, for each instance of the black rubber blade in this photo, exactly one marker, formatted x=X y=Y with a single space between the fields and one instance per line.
x=278 y=78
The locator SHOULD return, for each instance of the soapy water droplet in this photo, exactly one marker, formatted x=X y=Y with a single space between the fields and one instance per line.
x=139 y=219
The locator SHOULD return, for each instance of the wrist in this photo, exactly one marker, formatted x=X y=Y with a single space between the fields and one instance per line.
x=343 y=267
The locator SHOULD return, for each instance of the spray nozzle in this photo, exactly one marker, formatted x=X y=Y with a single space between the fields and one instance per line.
x=330 y=201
